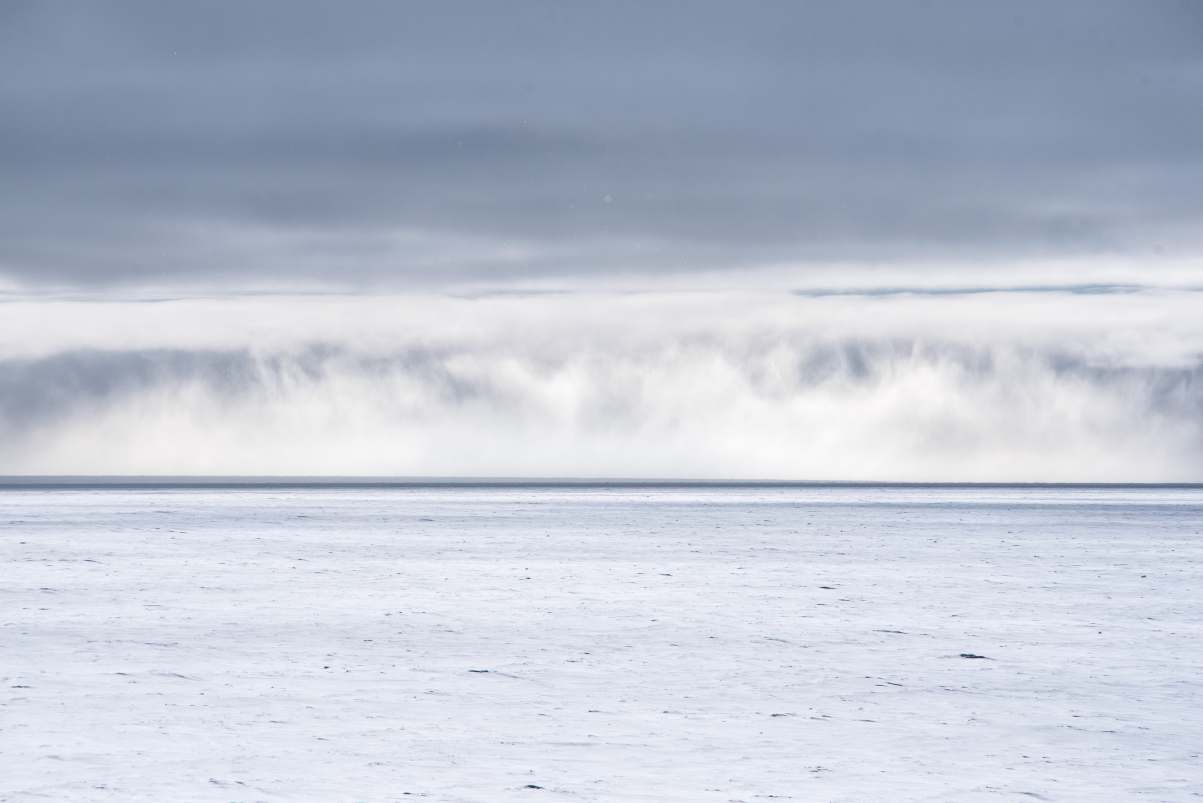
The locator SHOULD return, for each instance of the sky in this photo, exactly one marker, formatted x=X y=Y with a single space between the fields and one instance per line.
x=857 y=240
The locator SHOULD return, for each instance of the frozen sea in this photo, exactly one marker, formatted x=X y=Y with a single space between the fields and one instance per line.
x=601 y=643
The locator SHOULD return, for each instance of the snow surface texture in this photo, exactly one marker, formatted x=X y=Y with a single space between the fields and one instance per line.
x=689 y=644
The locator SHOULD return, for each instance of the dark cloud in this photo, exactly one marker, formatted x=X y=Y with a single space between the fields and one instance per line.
x=400 y=141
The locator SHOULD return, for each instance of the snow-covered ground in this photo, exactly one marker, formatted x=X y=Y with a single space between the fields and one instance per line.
x=484 y=644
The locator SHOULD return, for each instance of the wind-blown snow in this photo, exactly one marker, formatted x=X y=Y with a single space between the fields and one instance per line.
x=621 y=644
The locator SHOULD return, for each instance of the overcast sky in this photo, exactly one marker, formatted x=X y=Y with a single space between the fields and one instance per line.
x=269 y=142
x=854 y=240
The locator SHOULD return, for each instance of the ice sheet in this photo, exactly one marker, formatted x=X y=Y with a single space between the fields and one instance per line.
x=545 y=644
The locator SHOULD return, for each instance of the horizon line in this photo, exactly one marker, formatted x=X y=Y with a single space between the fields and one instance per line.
x=233 y=481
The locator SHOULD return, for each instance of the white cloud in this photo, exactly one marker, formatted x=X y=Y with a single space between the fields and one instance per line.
x=1002 y=386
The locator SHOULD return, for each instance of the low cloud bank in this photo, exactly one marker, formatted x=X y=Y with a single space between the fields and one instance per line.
x=791 y=389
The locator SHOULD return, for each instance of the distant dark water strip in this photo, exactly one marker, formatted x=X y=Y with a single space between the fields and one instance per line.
x=368 y=483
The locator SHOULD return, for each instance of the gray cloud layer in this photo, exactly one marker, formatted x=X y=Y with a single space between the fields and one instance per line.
x=237 y=142
x=517 y=238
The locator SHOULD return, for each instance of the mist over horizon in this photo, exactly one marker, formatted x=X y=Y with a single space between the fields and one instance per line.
x=986 y=387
